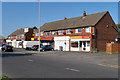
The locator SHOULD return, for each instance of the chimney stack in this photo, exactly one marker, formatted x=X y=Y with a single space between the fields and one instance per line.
x=84 y=13
x=65 y=18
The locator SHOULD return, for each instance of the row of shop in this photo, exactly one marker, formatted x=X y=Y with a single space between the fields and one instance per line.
x=63 y=43
x=67 y=43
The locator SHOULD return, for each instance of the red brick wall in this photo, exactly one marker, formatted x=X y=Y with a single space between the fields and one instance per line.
x=105 y=34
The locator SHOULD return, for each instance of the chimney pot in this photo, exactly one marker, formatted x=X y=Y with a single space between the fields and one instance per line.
x=84 y=13
x=65 y=18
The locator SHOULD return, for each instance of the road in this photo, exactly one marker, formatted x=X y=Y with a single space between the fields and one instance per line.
x=47 y=65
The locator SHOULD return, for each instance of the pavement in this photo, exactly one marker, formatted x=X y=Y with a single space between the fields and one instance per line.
x=58 y=64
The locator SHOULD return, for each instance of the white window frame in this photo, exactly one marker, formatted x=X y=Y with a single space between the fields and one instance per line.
x=22 y=36
x=34 y=30
x=36 y=34
x=68 y=31
x=53 y=32
x=41 y=33
x=47 y=34
x=88 y=29
x=76 y=30
x=60 y=32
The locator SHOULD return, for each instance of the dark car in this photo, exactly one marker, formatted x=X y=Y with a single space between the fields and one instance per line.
x=35 y=47
x=46 y=48
x=7 y=48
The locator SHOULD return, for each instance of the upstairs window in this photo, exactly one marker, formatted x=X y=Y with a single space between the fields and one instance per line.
x=53 y=32
x=47 y=33
x=19 y=36
x=88 y=29
x=60 y=32
x=68 y=31
x=41 y=33
x=22 y=36
x=79 y=30
x=34 y=30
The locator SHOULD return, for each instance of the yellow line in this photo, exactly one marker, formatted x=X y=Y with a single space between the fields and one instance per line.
x=109 y=65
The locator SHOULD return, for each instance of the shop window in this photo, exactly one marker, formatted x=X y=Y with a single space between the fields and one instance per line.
x=79 y=30
x=68 y=31
x=20 y=43
x=74 y=44
x=88 y=43
x=47 y=33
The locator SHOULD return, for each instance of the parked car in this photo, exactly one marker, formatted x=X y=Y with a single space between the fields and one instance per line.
x=46 y=48
x=7 y=48
x=35 y=47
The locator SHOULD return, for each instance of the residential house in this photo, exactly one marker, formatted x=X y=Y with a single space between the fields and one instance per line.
x=85 y=33
x=2 y=40
x=17 y=37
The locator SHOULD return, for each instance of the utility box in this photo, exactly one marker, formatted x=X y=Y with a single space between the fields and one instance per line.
x=112 y=48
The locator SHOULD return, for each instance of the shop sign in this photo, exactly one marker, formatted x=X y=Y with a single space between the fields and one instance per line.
x=80 y=37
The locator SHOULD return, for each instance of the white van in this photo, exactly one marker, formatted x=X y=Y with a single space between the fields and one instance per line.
x=29 y=44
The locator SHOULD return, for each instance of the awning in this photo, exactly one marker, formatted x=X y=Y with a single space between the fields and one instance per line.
x=46 y=38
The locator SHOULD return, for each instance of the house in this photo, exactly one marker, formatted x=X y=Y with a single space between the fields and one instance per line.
x=17 y=37
x=85 y=33
x=2 y=40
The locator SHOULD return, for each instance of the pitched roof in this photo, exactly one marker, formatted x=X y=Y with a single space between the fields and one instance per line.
x=1 y=37
x=88 y=20
x=18 y=32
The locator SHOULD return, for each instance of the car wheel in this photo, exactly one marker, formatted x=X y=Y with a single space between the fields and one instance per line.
x=43 y=50
x=52 y=49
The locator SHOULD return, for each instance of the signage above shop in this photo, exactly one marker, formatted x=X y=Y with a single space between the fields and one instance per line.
x=80 y=37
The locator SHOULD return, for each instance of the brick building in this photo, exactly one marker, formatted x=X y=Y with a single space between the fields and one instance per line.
x=84 y=33
x=17 y=37
x=2 y=40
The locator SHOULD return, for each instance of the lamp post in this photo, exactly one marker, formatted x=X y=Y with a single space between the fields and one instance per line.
x=39 y=26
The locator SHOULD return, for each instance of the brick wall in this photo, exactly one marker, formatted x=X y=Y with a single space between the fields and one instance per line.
x=105 y=34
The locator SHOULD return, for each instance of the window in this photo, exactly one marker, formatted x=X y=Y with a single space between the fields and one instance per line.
x=88 y=29
x=88 y=43
x=36 y=34
x=74 y=44
x=68 y=31
x=53 y=32
x=41 y=33
x=22 y=36
x=47 y=33
x=79 y=30
x=19 y=36
x=34 y=30
x=16 y=37
x=60 y=32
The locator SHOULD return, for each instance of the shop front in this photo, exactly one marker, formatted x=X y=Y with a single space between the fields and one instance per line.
x=61 y=43
x=80 y=43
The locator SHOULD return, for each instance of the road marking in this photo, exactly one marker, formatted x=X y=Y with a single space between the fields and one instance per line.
x=72 y=69
x=30 y=60
x=109 y=65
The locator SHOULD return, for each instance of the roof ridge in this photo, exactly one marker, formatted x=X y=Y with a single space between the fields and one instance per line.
x=76 y=17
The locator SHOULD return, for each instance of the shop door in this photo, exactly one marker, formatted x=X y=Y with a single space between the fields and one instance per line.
x=80 y=45
x=84 y=45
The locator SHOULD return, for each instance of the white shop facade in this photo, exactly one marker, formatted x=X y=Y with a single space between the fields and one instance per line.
x=72 y=43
